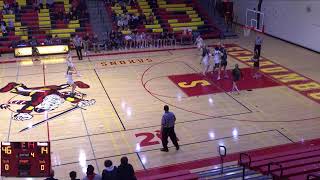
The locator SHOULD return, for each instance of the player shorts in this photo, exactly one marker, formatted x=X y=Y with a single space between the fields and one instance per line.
x=224 y=63
x=205 y=61
x=216 y=65
x=70 y=82
x=236 y=78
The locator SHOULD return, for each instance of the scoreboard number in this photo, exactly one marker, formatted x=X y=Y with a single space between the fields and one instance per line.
x=6 y=167
x=44 y=150
x=6 y=149
x=25 y=159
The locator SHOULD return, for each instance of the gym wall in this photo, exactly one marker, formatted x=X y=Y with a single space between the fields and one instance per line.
x=296 y=21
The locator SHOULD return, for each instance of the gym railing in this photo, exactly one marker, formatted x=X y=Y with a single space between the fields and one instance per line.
x=313 y=177
x=275 y=164
x=244 y=164
x=223 y=153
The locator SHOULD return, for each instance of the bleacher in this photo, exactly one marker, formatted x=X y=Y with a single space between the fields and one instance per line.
x=292 y=164
x=30 y=23
x=171 y=15
x=294 y=161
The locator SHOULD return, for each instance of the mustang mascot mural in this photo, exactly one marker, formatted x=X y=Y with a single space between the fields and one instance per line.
x=43 y=99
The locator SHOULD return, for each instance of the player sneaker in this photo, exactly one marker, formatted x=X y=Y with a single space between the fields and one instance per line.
x=164 y=149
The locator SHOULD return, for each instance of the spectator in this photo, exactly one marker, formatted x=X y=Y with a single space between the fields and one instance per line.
x=10 y=25
x=33 y=41
x=172 y=39
x=21 y=43
x=56 y=40
x=151 y=19
x=91 y=175
x=16 y=8
x=49 y=4
x=95 y=43
x=35 y=6
x=3 y=23
x=110 y=172
x=86 y=44
x=125 y=170
x=48 y=40
x=143 y=18
x=73 y=175
x=77 y=43
x=61 y=15
x=6 y=8
x=51 y=177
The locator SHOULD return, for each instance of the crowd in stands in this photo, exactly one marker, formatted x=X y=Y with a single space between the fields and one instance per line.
x=116 y=40
x=77 y=11
x=34 y=42
x=124 y=171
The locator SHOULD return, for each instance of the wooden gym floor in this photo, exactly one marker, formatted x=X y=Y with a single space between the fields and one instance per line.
x=131 y=88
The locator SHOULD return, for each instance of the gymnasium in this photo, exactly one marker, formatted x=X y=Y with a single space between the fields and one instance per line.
x=93 y=89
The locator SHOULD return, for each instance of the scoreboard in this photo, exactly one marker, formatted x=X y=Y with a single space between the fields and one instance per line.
x=25 y=159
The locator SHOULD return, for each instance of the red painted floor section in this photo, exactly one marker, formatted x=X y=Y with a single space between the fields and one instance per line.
x=197 y=84
x=230 y=157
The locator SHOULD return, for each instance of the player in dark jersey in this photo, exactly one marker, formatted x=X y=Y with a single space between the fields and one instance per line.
x=224 y=61
x=236 y=76
x=35 y=53
x=256 y=65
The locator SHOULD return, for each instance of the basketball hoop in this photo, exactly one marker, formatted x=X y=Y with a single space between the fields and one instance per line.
x=246 y=31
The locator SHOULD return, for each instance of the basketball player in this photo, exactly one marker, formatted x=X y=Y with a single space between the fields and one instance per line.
x=256 y=65
x=224 y=61
x=236 y=76
x=70 y=72
x=217 y=60
x=70 y=63
x=257 y=45
x=205 y=59
x=199 y=43
x=35 y=54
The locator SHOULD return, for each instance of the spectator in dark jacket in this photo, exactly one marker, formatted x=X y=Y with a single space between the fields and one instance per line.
x=51 y=176
x=91 y=175
x=110 y=172
x=125 y=170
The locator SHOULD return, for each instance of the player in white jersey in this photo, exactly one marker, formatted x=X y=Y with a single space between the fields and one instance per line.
x=199 y=42
x=70 y=62
x=217 y=61
x=70 y=72
x=205 y=60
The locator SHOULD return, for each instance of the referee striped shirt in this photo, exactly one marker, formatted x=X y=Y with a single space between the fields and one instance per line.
x=168 y=120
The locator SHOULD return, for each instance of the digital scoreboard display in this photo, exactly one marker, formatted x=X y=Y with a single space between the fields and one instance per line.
x=25 y=159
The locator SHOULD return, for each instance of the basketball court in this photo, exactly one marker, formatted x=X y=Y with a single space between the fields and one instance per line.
x=130 y=88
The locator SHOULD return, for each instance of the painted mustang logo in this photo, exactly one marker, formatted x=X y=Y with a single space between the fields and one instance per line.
x=45 y=98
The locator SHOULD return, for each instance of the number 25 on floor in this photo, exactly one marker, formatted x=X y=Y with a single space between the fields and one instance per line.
x=149 y=138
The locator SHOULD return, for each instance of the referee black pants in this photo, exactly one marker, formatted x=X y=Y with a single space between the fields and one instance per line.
x=257 y=48
x=79 y=52
x=169 y=132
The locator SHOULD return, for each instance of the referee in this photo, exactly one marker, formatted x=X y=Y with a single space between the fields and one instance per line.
x=167 y=129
